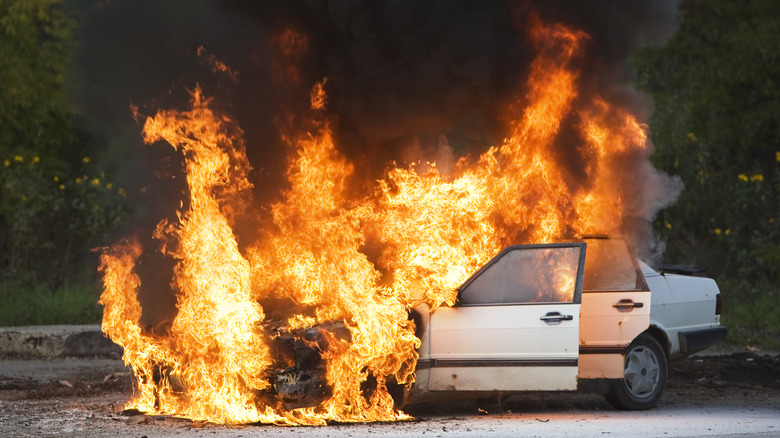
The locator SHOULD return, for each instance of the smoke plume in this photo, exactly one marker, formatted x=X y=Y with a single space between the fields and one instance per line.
x=408 y=81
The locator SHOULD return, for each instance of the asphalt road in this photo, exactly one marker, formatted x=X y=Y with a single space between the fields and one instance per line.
x=734 y=396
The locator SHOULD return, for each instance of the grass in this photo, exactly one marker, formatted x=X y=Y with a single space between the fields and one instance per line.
x=750 y=313
x=41 y=306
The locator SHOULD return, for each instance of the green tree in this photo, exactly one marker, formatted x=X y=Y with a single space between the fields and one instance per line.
x=716 y=87
x=55 y=202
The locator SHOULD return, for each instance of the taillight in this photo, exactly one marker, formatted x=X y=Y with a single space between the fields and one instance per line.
x=717 y=304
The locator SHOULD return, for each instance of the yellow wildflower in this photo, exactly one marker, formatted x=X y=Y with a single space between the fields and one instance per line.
x=777 y=156
x=62 y=186
x=727 y=232
x=85 y=160
x=757 y=177
x=667 y=225
x=742 y=177
x=122 y=191
x=36 y=159
x=691 y=136
x=19 y=159
x=109 y=185
x=717 y=231
x=7 y=163
x=95 y=182
x=56 y=178
x=78 y=180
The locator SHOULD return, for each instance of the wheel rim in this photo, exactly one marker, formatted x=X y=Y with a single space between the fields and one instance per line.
x=642 y=372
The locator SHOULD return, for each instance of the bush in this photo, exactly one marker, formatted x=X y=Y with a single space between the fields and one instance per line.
x=716 y=119
x=749 y=309
x=55 y=202
x=51 y=218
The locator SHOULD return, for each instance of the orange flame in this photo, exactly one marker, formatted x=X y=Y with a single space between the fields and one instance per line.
x=215 y=362
x=213 y=350
x=315 y=259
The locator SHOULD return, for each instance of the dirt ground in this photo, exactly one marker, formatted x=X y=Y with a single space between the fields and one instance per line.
x=727 y=379
x=93 y=399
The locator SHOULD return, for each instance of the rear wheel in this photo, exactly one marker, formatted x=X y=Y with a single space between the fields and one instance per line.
x=645 y=372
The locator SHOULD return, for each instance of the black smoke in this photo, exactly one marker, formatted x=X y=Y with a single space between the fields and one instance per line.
x=407 y=80
x=405 y=77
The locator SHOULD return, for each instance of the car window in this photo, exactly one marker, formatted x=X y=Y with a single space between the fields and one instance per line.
x=610 y=266
x=525 y=274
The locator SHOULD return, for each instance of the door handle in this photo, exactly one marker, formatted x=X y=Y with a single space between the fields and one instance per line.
x=555 y=318
x=627 y=304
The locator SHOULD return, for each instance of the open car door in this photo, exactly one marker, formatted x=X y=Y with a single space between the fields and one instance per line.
x=515 y=326
x=615 y=306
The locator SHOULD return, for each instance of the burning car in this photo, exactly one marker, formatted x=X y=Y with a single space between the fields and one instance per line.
x=342 y=301
x=544 y=317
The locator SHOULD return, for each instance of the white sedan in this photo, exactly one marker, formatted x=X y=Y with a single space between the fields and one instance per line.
x=544 y=317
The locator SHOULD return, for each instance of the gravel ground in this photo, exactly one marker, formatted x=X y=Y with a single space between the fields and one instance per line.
x=85 y=398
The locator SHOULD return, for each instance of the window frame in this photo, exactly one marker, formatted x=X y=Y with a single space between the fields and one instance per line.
x=641 y=283
x=579 y=279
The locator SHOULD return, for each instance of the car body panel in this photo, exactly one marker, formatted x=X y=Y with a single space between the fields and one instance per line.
x=603 y=325
x=683 y=305
x=542 y=317
x=615 y=306
x=515 y=327
x=601 y=364
x=503 y=348
x=605 y=331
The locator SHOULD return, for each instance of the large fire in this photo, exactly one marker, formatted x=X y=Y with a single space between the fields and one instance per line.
x=216 y=359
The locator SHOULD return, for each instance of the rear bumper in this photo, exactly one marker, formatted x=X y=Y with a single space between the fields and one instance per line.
x=693 y=341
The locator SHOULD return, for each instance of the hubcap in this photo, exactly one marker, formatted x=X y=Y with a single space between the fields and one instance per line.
x=642 y=372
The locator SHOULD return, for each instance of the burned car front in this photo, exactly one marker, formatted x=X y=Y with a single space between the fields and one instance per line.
x=546 y=317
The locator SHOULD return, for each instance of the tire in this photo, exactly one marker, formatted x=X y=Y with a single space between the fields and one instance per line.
x=398 y=393
x=645 y=372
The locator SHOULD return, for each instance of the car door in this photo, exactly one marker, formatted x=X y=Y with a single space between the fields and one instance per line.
x=615 y=306
x=515 y=326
